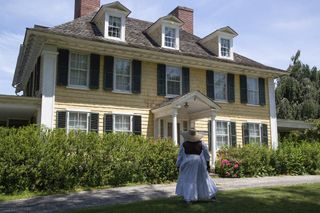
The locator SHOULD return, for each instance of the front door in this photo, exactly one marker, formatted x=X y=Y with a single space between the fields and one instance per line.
x=169 y=130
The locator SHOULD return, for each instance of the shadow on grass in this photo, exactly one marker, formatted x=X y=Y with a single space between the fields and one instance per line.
x=295 y=199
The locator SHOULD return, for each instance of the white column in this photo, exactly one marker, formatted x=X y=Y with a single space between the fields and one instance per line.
x=156 y=127
x=48 y=84
x=213 y=138
x=273 y=114
x=175 y=126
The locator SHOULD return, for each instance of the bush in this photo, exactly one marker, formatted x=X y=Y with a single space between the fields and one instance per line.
x=32 y=159
x=291 y=158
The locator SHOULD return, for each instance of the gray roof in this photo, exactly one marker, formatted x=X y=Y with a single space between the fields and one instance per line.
x=137 y=37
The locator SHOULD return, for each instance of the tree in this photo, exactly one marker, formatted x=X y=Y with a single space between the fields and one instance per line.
x=298 y=95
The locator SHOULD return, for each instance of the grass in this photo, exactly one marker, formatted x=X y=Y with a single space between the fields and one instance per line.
x=301 y=198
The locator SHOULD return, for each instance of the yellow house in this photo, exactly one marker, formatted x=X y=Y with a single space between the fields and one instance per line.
x=107 y=72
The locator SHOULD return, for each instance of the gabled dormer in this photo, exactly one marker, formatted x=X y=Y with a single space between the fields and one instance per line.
x=220 y=42
x=111 y=20
x=166 y=32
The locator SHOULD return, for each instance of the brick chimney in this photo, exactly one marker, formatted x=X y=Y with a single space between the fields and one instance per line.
x=85 y=7
x=186 y=15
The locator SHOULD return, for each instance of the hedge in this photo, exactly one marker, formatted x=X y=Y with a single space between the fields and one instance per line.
x=291 y=158
x=34 y=159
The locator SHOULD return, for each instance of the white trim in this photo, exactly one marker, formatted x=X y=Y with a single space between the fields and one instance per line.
x=115 y=75
x=78 y=110
x=48 y=69
x=75 y=86
x=273 y=114
x=122 y=16
x=177 y=41
x=227 y=37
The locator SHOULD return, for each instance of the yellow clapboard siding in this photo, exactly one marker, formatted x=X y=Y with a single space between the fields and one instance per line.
x=102 y=101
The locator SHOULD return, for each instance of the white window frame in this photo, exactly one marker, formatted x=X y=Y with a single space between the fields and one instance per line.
x=77 y=111
x=114 y=122
x=115 y=77
x=115 y=13
x=228 y=132
x=228 y=37
x=226 y=85
x=173 y=95
x=256 y=79
x=177 y=42
x=260 y=131
x=69 y=71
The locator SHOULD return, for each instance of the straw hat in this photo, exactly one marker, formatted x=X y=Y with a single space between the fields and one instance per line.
x=191 y=135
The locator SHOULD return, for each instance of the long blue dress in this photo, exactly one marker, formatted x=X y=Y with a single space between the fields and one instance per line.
x=194 y=182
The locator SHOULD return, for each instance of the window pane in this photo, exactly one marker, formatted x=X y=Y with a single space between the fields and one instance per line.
x=254 y=133
x=122 y=75
x=79 y=69
x=220 y=86
x=173 y=80
x=78 y=121
x=170 y=37
x=253 y=91
x=221 y=134
x=122 y=123
x=114 y=29
x=225 y=47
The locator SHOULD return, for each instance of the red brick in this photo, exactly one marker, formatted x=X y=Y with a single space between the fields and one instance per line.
x=85 y=7
x=186 y=15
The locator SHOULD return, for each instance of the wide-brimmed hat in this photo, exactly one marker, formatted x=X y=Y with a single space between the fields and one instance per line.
x=191 y=135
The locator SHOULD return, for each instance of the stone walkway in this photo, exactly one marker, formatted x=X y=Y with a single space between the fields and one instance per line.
x=79 y=200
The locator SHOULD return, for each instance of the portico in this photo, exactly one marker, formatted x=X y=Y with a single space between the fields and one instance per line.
x=179 y=114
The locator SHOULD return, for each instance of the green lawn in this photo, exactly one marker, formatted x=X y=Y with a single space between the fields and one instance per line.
x=302 y=198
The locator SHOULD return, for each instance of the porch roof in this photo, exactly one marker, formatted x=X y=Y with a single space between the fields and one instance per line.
x=195 y=105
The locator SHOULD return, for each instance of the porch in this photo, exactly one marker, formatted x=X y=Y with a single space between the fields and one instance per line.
x=180 y=114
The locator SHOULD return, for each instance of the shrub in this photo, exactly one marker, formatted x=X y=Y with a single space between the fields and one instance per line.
x=33 y=159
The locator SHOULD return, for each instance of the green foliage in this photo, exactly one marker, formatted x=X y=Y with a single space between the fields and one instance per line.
x=32 y=159
x=293 y=158
x=298 y=95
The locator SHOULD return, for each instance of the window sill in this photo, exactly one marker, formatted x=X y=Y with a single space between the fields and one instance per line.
x=114 y=38
x=253 y=105
x=171 y=96
x=221 y=101
x=78 y=87
x=170 y=48
x=122 y=92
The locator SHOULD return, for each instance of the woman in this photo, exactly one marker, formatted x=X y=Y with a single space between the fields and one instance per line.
x=194 y=182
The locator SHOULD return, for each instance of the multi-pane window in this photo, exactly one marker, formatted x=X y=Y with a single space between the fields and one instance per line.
x=79 y=69
x=173 y=80
x=220 y=86
x=78 y=121
x=222 y=136
x=252 y=91
x=170 y=37
x=254 y=133
x=225 y=47
x=114 y=29
x=122 y=75
x=122 y=123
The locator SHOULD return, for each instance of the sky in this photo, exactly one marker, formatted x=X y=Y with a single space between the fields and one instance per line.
x=270 y=32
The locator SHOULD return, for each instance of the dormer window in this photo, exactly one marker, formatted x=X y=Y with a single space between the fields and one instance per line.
x=225 y=47
x=170 y=37
x=114 y=29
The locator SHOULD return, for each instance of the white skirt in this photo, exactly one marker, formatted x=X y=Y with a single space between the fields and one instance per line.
x=194 y=182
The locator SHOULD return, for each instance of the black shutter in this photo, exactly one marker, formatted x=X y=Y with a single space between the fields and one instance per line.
x=136 y=121
x=94 y=122
x=262 y=96
x=108 y=123
x=136 y=76
x=37 y=73
x=185 y=80
x=209 y=135
x=108 y=72
x=210 y=84
x=230 y=86
x=94 y=71
x=63 y=67
x=61 y=119
x=233 y=134
x=264 y=139
x=161 y=79
x=245 y=133
x=243 y=89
